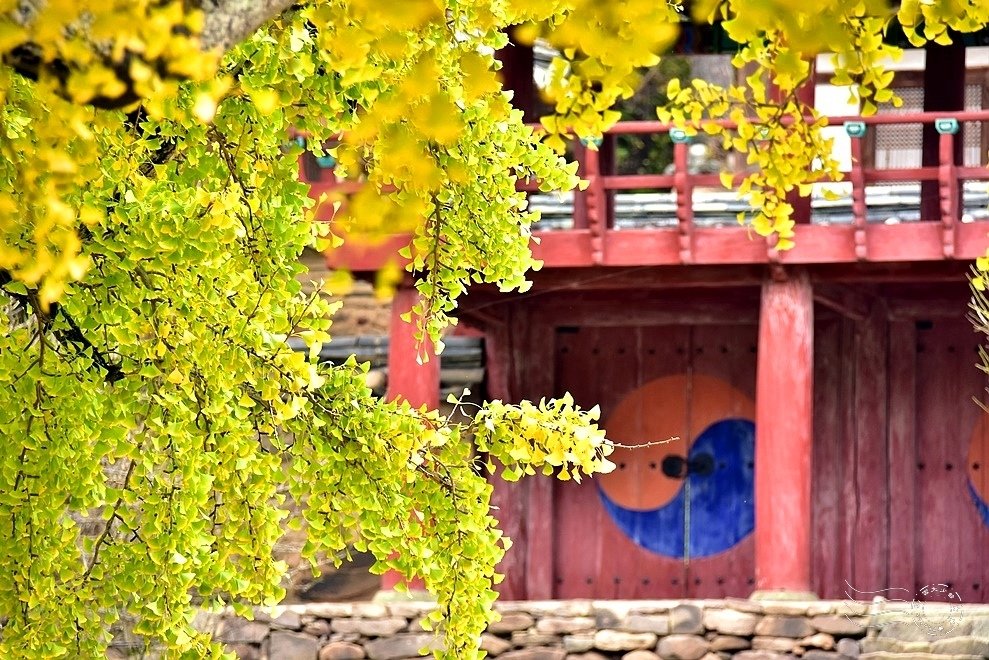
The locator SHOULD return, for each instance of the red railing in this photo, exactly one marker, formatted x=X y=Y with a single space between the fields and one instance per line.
x=593 y=239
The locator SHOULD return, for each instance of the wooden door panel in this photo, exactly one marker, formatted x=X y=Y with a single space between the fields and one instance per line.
x=699 y=375
x=598 y=365
x=952 y=536
x=725 y=353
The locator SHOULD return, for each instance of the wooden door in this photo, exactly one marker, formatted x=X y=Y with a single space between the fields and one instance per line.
x=674 y=519
x=952 y=448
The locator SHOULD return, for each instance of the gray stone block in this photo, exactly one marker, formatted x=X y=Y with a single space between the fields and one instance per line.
x=342 y=651
x=494 y=645
x=730 y=643
x=241 y=631
x=778 y=644
x=330 y=610
x=511 y=622
x=686 y=619
x=240 y=651
x=579 y=642
x=819 y=640
x=285 y=645
x=533 y=638
x=683 y=647
x=757 y=655
x=640 y=655
x=381 y=627
x=731 y=622
x=403 y=645
x=370 y=610
x=317 y=628
x=556 y=625
x=962 y=645
x=654 y=623
x=838 y=624
x=617 y=640
x=535 y=653
x=817 y=654
x=784 y=626
x=848 y=647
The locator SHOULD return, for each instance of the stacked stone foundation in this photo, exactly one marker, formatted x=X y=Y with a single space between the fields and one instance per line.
x=627 y=630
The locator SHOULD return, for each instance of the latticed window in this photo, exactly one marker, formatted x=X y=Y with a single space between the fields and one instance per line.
x=899 y=145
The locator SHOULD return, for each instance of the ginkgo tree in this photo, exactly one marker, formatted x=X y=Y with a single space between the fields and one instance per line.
x=151 y=221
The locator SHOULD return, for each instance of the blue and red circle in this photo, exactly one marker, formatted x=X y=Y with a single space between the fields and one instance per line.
x=692 y=496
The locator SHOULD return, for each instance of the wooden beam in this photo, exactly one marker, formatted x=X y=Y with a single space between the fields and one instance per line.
x=784 y=428
x=902 y=454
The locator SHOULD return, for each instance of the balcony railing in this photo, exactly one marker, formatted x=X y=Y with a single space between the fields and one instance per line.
x=925 y=213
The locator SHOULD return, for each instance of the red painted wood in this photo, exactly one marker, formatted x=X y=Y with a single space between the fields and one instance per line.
x=815 y=244
x=727 y=353
x=537 y=382
x=869 y=521
x=596 y=204
x=830 y=559
x=849 y=460
x=952 y=541
x=902 y=174
x=914 y=241
x=510 y=500
x=948 y=192
x=364 y=257
x=634 y=247
x=563 y=248
x=602 y=364
x=637 y=181
x=591 y=242
x=408 y=379
x=970 y=240
x=784 y=390
x=685 y=203
x=902 y=453
x=856 y=176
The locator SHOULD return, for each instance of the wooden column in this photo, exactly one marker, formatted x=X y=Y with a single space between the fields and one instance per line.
x=784 y=427
x=944 y=91
x=409 y=379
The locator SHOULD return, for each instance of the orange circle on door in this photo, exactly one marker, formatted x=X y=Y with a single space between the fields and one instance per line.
x=678 y=407
x=978 y=466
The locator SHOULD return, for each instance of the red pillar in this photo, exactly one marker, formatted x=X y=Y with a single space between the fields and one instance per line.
x=419 y=384
x=784 y=395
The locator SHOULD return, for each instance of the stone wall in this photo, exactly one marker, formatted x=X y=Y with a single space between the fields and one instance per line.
x=628 y=630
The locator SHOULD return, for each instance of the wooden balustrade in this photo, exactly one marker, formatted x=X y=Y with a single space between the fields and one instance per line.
x=593 y=239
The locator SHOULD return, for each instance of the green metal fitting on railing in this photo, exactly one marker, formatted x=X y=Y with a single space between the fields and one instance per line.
x=855 y=129
x=946 y=125
x=679 y=136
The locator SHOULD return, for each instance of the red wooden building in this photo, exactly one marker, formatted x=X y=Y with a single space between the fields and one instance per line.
x=823 y=396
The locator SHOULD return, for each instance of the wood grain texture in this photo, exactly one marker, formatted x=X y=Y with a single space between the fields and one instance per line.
x=784 y=391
